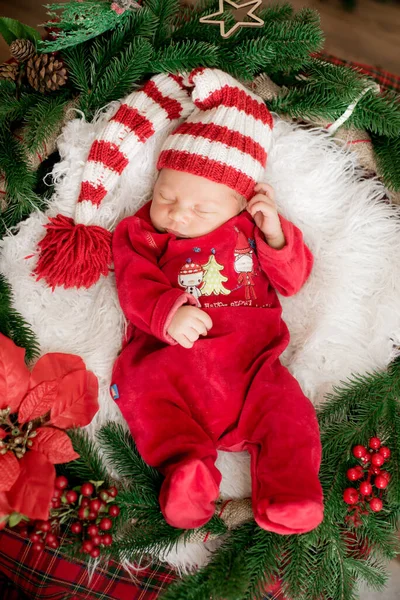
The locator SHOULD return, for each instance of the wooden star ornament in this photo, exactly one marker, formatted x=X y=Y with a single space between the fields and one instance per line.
x=254 y=4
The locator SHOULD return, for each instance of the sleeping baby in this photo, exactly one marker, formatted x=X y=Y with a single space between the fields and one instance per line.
x=198 y=269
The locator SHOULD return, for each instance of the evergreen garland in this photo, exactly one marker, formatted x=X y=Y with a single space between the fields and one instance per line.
x=13 y=326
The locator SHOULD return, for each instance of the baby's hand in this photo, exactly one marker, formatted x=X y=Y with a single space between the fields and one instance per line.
x=188 y=324
x=263 y=209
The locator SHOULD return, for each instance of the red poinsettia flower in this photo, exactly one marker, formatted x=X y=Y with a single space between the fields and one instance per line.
x=58 y=394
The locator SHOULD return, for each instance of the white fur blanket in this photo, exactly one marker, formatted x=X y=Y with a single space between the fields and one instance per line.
x=346 y=319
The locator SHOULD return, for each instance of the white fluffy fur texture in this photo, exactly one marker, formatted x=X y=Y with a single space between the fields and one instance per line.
x=346 y=319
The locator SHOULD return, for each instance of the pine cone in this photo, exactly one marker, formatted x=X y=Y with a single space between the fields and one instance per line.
x=9 y=71
x=22 y=49
x=46 y=73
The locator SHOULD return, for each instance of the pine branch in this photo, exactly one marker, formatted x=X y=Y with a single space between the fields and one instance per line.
x=90 y=465
x=379 y=114
x=20 y=182
x=387 y=154
x=13 y=107
x=165 y=11
x=43 y=119
x=262 y=560
x=183 y=56
x=124 y=70
x=79 y=69
x=13 y=326
x=121 y=452
x=226 y=576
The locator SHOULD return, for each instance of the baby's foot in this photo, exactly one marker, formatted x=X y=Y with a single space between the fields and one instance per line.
x=187 y=495
x=289 y=515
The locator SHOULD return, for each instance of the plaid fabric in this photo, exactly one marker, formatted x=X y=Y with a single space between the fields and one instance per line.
x=49 y=575
x=26 y=575
x=387 y=81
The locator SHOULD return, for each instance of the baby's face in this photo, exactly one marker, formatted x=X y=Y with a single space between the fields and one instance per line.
x=190 y=206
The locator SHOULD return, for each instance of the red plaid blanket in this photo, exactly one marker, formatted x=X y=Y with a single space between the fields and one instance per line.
x=26 y=575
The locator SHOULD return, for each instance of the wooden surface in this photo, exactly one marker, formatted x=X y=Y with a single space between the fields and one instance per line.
x=370 y=34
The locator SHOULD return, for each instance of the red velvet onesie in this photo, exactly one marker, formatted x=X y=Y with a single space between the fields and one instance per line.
x=229 y=391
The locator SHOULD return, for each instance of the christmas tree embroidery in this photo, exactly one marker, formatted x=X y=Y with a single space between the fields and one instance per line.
x=213 y=280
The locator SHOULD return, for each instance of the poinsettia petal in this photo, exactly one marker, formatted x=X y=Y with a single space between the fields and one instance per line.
x=76 y=402
x=32 y=492
x=14 y=374
x=54 y=366
x=9 y=469
x=38 y=401
x=55 y=445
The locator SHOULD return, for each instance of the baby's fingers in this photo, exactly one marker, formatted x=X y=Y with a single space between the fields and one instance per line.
x=260 y=206
x=266 y=188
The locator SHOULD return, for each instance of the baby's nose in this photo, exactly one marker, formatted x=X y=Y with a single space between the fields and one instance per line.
x=179 y=215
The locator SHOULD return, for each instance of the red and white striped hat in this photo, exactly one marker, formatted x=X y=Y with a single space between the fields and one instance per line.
x=226 y=139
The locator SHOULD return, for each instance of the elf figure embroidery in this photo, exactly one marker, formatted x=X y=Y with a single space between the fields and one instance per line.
x=191 y=277
x=244 y=265
x=213 y=279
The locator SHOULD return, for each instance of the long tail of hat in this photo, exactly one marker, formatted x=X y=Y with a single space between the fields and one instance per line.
x=76 y=253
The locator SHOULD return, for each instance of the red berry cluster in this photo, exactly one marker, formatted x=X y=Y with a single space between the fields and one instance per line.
x=94 y=514
x=370 y=468
x=41 y=534
x=91 y=509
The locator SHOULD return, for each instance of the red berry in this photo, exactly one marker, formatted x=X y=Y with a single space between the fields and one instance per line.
x=375 y=470
x=381 y=482
x=359 y=451
x=385 y=451
x=23 y=531
x=114 y=510
x=76 y=527
x=386 y=475
x=350 y=495
x=95 y=552
x=374 y=443
x=104 y=495
x=54 y=544
x=92 y=530
x=105 y=524
x=96 y=539
x=83 y=513
x=35 y=537
x=376 y=504
x=55 y=503
x=57 y=493
x=106 y=539
x=112 y=491
x=95 y=505
x=71 y=496
x=377 y=460
x=87 y=489
x=50 y=537
x=352 y=474
x=38 y=547
x=365 y=488
x=92 y=516
x=85 y=502
x=61 y=482
x=87 y=546
x=43 y=525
